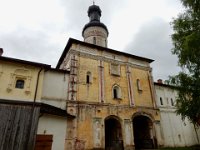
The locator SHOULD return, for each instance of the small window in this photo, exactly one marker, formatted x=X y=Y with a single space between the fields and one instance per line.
x=161 y=101
x=94 y=40
x=179 y=136
x=88 y=77
x=172 y=102
x=139 y=85
x=105 y=43
x=19 y=84
x=116 y=92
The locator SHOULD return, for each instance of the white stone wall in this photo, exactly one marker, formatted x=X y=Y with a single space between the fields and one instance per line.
x=56 y=126
x=174 y=131
x=55 y=89
x=54 y=92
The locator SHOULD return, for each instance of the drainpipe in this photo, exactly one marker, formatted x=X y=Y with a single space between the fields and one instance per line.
x=151 y=85
x=36 y=88
x=33 y=106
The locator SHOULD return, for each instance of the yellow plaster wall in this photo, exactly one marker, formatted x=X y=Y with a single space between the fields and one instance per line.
x=88 y=114
x=111 y=80
x=89 y=109
x=143 y=97
x=90 y=92
x=10 y=72
x=85 y=133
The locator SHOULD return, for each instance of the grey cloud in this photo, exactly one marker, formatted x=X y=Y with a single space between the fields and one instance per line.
x=31 y=46
x=35 y=45
x=153 y=41
x=76 y=13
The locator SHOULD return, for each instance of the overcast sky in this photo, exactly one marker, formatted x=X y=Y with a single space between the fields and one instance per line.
x=38 y=30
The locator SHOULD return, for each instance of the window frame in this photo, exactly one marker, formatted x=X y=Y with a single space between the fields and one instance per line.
x=88 y=77
x=138 y=85
x=116 y=92
x=20 y=84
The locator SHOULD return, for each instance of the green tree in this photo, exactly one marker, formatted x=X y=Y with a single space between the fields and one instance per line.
x=186 y=45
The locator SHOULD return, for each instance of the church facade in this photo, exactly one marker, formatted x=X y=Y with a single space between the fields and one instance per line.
x=111 y=93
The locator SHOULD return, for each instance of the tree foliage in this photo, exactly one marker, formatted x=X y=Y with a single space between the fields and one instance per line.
x=186 y=42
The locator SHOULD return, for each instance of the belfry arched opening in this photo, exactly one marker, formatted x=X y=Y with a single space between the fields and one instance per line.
x=143 y=132
x=113 y=134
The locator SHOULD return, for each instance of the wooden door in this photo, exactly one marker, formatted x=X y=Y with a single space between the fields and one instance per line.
x=43 y=142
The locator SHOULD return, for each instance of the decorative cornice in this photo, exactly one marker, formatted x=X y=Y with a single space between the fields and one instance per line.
x=100 y=48
x=97 y=104
x=97 y=57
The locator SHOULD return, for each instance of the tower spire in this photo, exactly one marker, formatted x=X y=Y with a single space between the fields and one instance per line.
x=95 y=32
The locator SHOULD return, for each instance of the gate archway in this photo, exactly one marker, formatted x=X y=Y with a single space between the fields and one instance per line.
x=143 y=132
x=113 y=134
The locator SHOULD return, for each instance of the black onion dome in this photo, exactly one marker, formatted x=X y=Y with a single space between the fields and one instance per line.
x=94 y=8
x=94 y=13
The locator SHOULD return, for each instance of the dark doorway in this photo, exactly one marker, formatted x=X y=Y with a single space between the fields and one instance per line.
x=143 y=138
x=113 y=134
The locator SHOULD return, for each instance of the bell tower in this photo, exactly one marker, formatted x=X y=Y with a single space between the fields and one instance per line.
x=95 y=32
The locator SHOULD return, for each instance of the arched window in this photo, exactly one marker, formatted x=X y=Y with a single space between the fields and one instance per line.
x=116 y=92
x=161 y=101
x=19 y=84
x=88 y=77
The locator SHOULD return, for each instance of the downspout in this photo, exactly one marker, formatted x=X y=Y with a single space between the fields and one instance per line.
x=36 y=88
x=152 y=91
x=33 y=107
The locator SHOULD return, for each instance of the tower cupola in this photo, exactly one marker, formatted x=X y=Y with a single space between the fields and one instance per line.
x=95 y=32
x=94 y=13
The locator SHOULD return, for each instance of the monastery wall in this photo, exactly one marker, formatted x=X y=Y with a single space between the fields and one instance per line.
x=11 y=72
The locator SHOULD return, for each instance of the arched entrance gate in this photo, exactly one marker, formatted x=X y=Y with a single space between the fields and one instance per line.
x=113 y=134
x=143 y=132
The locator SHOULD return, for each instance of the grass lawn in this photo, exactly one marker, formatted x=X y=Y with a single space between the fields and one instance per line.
x=182 y=148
